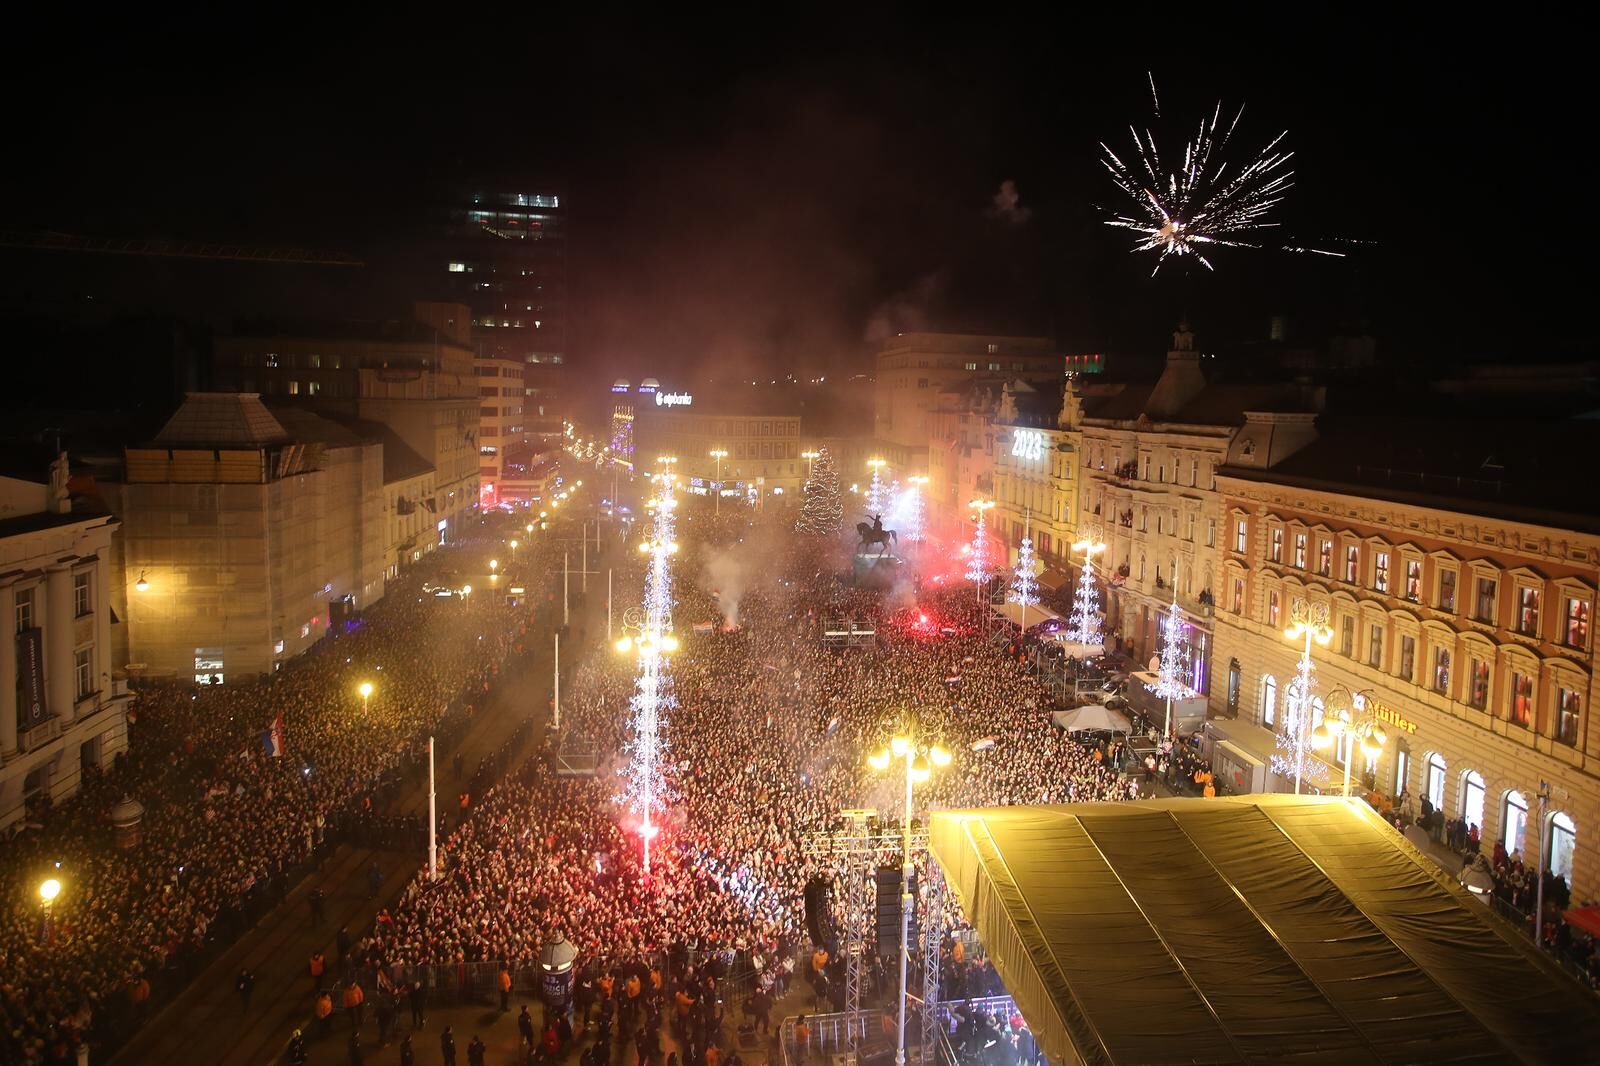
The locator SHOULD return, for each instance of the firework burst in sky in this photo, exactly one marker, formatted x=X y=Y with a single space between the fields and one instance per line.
x=1204 y=199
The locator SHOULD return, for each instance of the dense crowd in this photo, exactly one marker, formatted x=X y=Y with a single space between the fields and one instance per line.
x=767 y=744
x=227 y=825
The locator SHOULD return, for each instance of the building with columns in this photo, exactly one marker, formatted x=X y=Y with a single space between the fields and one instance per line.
x=63 y=697
x=1458 y=564
x=1036 y=471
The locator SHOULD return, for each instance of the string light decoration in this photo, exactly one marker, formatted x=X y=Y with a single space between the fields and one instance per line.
x=823 y=510
x=915 y=509
x=1083 y=624
x=1294 y=739
x=1024 y=585
x=979 y=566
x=878 y=497
x=653 y=640
x=1169 y=684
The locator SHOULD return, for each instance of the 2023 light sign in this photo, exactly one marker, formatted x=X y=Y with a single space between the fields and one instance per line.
x=1027 y=444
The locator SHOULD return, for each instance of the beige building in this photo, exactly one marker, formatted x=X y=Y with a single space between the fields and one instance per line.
x=63 y=696
x=418 y=378
x=914 y=368
x=1460 y=589
x=1036 y=472
x=253 y=532
x=762 y=441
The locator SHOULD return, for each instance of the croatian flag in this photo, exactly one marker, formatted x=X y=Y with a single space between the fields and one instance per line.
x=272 y=739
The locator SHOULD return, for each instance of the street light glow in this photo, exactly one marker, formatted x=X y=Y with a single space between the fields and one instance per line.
x=49 y=890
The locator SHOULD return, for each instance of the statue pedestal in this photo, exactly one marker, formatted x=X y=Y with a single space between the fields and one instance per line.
x=875 y=571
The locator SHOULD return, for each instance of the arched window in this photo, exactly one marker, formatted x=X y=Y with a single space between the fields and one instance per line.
x=1233 y=686
x=1563 y=841
x=1472 y=793
x=1269 y=701
x=1402 y=767
x=1433 y=781
x=1513 y=819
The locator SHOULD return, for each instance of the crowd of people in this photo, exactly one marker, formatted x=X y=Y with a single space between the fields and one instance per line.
x=766 y=744
x=228 y=826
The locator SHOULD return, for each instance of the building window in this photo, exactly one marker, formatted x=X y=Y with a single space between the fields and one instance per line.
x=1402 y=768
x=1188 y=527
x=1513 y=821
x=1528 y=611
x=1569 y=709
x=81 y=603
x=1414 y=580
x=1352 y=564
x=1324 y=557
x=314 y=361
x=1478 y=693
x=1520 y=711
x=1563 y=841
x=1347 y=637
x=1441 y=670
x=994 y=349
x=294 y=388
x=1211 y=532
x=1269 y=701
x=1300 y=551
x=1272 y=609
x=1577 y=622
x=313 y=387
x=1380 y=571
x=1233 y=687
x=1447 y=591
x=1275 y=551
x=1238 y=595
x=1239 y=536
x=458 y=268
x=271 y=359
x=1375 y=646
x=24 y=609
x=1472 y=792
x=1433 y=786
x=1408 y=656
x=83 y=670
x=972 y=366
x=1483 y=608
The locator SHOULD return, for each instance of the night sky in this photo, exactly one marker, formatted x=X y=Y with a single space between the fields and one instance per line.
x=782 y=196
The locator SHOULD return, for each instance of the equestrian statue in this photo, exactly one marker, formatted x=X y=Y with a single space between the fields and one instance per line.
x=875 y=534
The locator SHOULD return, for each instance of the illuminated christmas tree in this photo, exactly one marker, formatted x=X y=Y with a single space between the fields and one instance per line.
x=979 y=566
x=1083 y=625
x=1169 y=684
x=1024 y=585
x=823 y=510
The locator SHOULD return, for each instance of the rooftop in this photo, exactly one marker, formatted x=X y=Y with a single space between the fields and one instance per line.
x=222 y=418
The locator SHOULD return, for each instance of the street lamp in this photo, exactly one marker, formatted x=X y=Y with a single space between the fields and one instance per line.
x=494 y=564
x=141 y=584
x=920 y=761
x=513 y=550
x=49 y=889
x=1347 y=713
x=1310 y=621
x=719 y=454
x=366 y=695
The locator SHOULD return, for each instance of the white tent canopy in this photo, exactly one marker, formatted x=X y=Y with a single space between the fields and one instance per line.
x=1012 y=612
x=1091 y=716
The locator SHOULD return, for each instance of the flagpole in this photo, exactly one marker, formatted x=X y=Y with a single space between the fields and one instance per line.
x=433 y=820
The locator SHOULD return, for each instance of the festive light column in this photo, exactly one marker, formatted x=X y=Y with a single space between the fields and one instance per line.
x=653 y=684
x=1083 y=625
x=978 y=569
x=1308 y=620
x=877 y=491
x=1169 y=679
x=1024 y=586
x=916 y=510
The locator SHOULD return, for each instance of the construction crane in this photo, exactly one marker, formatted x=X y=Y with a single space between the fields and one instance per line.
x=52 y=241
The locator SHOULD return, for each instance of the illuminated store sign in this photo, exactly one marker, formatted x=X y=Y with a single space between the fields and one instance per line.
x=1027 y=444
x=673 y=399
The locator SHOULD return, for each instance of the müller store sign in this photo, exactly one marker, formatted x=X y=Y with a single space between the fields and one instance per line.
x=1389 y=716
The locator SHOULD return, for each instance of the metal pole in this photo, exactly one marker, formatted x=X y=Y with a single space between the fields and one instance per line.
x=433 y=820
x=905 y=917
x=1538 y=902
x=585 y=570
x=717 y=506
x=1349 y=757
x=565 y=584
x=608 y=604
x=556 y=703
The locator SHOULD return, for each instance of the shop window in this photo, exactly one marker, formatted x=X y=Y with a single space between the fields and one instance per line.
x=1513 y=821
x=1380 y=571
x=1325 y=557
x=1414 y=580
x=1300 y=551
x=1447 y=591
x=1569 y=712
x=1472 y=793
x=1563 y=842
x=1433 y=785
x=1269 y=701
x=1576 y=622
x=1520 y=711
x=1478 y=691
x=1441 y=670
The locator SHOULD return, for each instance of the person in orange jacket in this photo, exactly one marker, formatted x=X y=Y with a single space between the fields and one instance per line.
x=324 y=1014
x=355 y=1001
x=318 y=965
x=505 y=989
